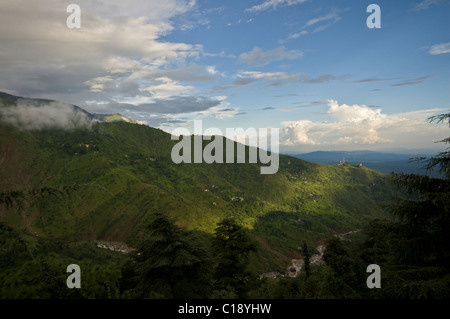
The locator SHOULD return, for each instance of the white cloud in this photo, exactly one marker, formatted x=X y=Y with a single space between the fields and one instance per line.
x=211 y=70
x=99 y=84
x=217 y=107
x=354 y=113
x=119 y=65
x=273 y=4
x=424 y=5
x=33 y=116
x=295 y=133
x=269 y=75
x=441 y=48
x=219 y=112
x=260 y=57
x=114 y=51
x=168 y=85
x=40 y=33
x=322 y=23
x=356 y=126
x=332 y=16
x=190 y=73
x=298 y=34
x=283 y=78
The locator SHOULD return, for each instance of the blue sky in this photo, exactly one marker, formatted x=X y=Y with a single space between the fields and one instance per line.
x=311 y=68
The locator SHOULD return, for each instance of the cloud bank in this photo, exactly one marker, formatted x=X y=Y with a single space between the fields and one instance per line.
x=33 y=116
x=354 y=126
x=118 y=57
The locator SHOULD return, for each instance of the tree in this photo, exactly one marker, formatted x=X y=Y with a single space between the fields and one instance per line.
x=342 y=280
x=337 y=256
x=13 y=248
x=169 y=262
x=442 y=159
x=232 y=245
x=17 y=198
x=306 y=260
x=415 y=242
x=423 y=218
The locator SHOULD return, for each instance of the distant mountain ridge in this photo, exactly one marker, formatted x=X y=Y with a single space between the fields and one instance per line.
x=379 y=161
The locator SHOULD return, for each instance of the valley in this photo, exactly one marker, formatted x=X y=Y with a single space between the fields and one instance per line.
x=124 y=173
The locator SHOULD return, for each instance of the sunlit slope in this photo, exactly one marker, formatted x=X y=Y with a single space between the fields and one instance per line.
x=125 y=172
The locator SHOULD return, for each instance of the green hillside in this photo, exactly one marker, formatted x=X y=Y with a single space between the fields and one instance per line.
x=125 y=173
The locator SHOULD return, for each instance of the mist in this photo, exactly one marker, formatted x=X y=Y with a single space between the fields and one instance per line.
x=27 y=115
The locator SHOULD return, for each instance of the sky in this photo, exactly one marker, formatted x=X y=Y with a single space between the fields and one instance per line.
x=311 y=68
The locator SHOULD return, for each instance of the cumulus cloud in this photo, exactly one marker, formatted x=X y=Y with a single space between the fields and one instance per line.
x=99 y=84
x=27 y=115
x=260 y=57
x=114 y=52
x=100 y=36
x=353 y=126
x=119 y=65
x=168 y=85
x=297 y=133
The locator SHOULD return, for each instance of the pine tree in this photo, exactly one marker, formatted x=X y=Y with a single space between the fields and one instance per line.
x=232 y=245
x=423 y=218
x=341 y=281
x=306 y=260
x=170 y=262
x=412 y=249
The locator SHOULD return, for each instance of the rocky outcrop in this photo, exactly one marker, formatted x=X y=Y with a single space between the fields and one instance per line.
x=114 y=246
x=296 y=265
x=317 y=259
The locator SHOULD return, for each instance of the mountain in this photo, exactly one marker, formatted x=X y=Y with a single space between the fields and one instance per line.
x=382 y=162
x=12 y=100
x=125 y=173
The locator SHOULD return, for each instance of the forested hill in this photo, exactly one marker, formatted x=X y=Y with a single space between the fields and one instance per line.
x=124 y=173
x=379 y=161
